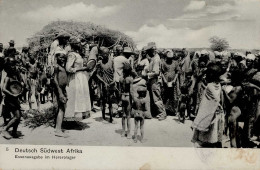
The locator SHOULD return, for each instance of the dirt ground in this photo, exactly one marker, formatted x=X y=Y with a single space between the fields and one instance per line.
x=96 y=132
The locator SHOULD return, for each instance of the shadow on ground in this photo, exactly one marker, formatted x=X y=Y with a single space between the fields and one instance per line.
x=74 y=125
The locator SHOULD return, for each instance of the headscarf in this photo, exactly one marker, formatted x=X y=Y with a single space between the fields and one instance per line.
x=250 y=57
x=197 y=53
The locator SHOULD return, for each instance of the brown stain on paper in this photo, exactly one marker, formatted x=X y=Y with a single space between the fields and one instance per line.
x=248 y=155
x=146 y=166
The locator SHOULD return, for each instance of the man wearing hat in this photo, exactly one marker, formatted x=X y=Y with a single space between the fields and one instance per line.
x=157 y=106
x=143 y=63
x=120 y=61
x=58 y=44
x=10 y=51
x=128 y=53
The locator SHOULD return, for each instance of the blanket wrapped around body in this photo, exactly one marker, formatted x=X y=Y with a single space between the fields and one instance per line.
x=208 y=106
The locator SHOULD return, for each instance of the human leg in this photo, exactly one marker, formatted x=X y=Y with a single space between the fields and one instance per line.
x=14 y=122
x=37 y=97
x=30 y=98
x=59 y=120
x=142 y=129
x=128 y=119
x=160 y=108
x=110 y=111
x=123 y=126
x=103 y=103
x=135 y=131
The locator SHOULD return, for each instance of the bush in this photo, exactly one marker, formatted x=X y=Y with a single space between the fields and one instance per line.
x=87 y=30
x=34 y=118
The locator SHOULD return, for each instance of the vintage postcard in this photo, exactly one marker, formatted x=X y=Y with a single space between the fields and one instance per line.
x=129 y=84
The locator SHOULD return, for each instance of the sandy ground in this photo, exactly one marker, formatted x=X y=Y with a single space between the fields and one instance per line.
x=95 y=132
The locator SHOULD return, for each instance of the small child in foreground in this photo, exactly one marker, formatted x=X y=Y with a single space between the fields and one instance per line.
x=60 y=81
x=126 y=83
x=185 y=99
x=140 y=105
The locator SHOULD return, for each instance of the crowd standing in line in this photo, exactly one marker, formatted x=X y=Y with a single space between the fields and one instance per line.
x=215 y=91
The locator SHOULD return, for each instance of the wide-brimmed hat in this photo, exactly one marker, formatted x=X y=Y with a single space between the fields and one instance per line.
x=74 y=40
x=151 y=45
x=128 y=50
x=11 y=42
x=63 y=34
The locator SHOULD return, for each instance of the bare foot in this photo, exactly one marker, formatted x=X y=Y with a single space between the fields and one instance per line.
x=61 y=134
x=129 y=136
x=123 y=134
x=6 y=135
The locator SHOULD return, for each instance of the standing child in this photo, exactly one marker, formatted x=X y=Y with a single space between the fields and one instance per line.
x=185 y=99
x=60 y=81
x=11 y=101
x=209 y=123
x=140 y=106
x=125 y=84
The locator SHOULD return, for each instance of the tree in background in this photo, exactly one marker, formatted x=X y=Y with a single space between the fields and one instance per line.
x=218 y=44
x=87 y=30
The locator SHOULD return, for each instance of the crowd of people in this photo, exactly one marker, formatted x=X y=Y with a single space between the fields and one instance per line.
x=216 y=90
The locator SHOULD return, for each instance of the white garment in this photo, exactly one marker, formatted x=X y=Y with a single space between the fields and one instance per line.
x=78 y=95
x=145 y=63
x=78 y=88
x=119 y=63
x=54 y=45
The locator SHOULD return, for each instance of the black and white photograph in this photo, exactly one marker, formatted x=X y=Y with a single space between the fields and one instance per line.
x=130 y=73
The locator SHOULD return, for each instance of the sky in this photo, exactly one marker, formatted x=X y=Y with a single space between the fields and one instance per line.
x=169 y=23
